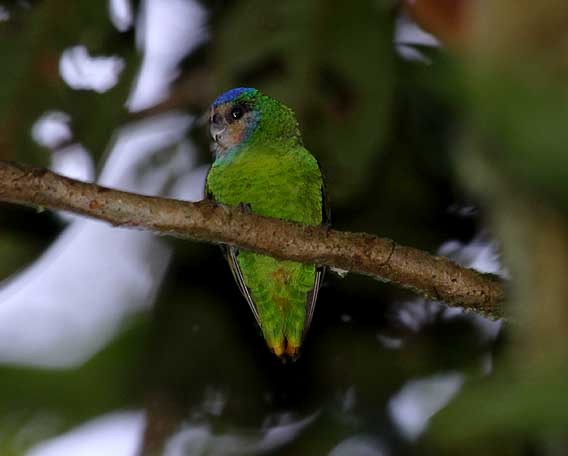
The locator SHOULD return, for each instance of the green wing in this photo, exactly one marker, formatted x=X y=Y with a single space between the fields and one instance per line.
x=231 y=254
x=320 y=271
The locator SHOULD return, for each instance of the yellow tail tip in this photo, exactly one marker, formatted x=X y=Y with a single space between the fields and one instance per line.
x=284 y=349
x=292 y=350
x=278 y=349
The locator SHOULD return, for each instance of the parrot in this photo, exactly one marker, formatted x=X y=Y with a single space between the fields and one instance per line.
x=261 y=165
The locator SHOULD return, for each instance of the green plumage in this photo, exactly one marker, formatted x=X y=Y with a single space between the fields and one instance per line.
x=267 y=169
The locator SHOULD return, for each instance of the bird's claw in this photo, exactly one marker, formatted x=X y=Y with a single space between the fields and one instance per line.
x=245 y=208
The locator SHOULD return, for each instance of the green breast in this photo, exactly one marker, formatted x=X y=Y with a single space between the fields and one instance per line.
x=276 y=183
x=285 y=184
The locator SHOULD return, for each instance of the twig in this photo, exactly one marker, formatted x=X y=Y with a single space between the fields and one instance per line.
x=431 y=276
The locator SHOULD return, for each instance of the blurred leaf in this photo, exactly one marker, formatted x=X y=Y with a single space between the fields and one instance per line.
x=64 y=398
x=331 y=62
x=32 y=42
x=445 y=19
x=523 y=116
x=505 y=406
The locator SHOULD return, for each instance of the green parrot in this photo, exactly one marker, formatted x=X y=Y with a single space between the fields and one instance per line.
x=261 y=164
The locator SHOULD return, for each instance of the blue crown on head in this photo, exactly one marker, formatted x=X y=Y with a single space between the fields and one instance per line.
x=232 y=94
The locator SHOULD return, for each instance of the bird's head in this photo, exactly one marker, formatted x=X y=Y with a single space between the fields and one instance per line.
x=244 y=115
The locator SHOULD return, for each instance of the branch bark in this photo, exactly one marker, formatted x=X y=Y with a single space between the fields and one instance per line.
x=431 y=276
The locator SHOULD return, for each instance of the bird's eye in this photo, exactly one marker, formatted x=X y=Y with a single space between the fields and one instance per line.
x=237 y=112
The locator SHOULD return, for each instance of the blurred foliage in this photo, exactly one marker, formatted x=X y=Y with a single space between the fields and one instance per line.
x=382 y=129
x=302 y=52
x=32 y=41
x=514 y=410
x=389 y=134
x=37 y=404
x=524 y=142
x=514 y=159
x=447 y=20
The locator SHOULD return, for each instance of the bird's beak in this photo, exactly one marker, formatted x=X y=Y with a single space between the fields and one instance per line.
x=216 y=130
x=217 y=135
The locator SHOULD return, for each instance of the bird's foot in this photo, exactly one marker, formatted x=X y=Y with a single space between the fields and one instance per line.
x=245 y=208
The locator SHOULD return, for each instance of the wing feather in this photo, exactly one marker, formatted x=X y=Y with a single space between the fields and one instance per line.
x=320 y=270
x=231 y=254
x=312 y=299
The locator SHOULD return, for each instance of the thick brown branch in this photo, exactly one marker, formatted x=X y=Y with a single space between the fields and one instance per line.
x=431 y=276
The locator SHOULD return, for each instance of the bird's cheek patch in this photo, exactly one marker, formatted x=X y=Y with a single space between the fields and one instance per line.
x=236 y=134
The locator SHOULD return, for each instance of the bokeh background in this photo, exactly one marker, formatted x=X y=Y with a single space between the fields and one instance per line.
x=117 y=342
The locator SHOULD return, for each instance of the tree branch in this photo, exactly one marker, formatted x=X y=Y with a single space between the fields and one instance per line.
x=431 y=276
